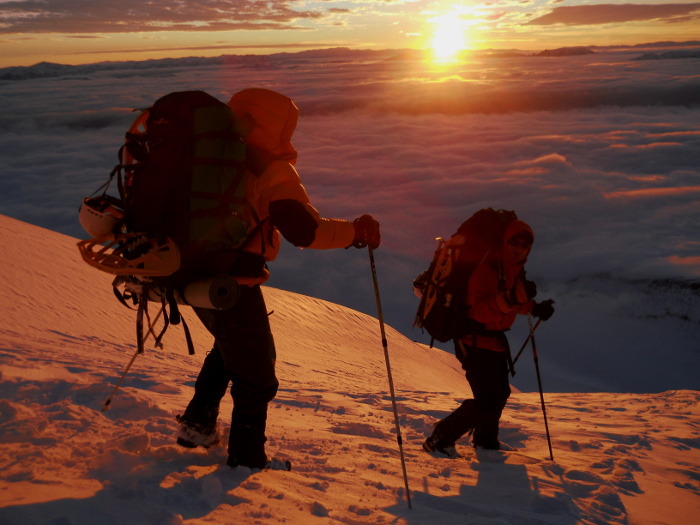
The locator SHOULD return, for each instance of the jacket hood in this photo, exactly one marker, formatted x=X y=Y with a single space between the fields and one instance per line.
x=520 y=230
x=270 y=119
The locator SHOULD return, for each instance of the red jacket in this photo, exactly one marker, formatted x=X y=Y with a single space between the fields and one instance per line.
x=496 y=294
x=270 y=119
x=280 y=181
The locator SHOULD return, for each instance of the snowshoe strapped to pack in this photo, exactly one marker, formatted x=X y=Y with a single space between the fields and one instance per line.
x=443 y=309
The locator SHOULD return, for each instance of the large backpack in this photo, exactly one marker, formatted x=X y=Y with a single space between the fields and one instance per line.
x=188 y=182
x=182 y=184
x=443 y=309
x=182 y=197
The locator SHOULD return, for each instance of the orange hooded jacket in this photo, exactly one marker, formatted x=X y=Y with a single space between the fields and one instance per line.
x=496 y=293
x=270 y=119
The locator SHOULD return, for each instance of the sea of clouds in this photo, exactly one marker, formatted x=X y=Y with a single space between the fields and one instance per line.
x=600 y=153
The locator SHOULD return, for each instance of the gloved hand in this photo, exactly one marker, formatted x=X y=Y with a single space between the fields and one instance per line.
x=366 y=232
x=530 y=289
x=543 y=310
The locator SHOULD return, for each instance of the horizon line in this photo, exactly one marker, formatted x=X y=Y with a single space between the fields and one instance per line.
x=331 y=46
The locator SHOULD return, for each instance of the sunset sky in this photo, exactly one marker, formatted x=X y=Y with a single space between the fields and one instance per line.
x=84 y=31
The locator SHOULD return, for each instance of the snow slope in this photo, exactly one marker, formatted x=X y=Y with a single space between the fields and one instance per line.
x=64 y=340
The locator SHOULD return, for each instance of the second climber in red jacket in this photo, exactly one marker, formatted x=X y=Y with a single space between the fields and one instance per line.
x=497 y=293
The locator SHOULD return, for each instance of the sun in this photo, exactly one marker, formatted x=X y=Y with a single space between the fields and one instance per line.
x=449 y=37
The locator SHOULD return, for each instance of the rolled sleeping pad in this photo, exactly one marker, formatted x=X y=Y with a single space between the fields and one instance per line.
x=217 y=293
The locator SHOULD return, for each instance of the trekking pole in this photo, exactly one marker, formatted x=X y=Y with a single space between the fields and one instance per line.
x=539 y=383
x=527 y=339
x=106 y=404
x=380 y=316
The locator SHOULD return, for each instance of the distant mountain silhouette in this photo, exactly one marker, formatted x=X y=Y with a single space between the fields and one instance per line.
x=565 y=52
x=678 y=53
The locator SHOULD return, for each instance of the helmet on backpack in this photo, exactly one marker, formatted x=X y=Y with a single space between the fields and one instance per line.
x=101 y=216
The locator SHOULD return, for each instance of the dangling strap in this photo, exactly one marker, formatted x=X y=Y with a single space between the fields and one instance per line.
x=188 y=337
x=256 y=229
x=157 y=338
x=168 y=301
x=177 y=318
x=123 y=297
x=105 y=186
x=143 y=301
x=166 y=323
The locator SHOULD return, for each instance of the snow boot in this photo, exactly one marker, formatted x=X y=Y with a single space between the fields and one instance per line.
x=431 y=445
x=193 y=435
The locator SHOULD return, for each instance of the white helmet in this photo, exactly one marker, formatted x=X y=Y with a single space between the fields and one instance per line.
x=101 y=216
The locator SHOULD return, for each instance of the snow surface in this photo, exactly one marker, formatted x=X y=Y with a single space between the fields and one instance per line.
x=64 y=340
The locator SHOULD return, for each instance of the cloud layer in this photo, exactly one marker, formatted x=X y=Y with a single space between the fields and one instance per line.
x=133 y=16
x=605 y=169
x=582 y=15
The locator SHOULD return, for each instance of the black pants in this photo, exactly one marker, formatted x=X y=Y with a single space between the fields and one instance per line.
x=487 y=373
x=243 y=355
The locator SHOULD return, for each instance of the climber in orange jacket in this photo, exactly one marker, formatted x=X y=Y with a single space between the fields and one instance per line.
x=497 y=293
x=244 y=350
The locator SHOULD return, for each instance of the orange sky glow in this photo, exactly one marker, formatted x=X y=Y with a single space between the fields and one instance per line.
x=80 y=31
